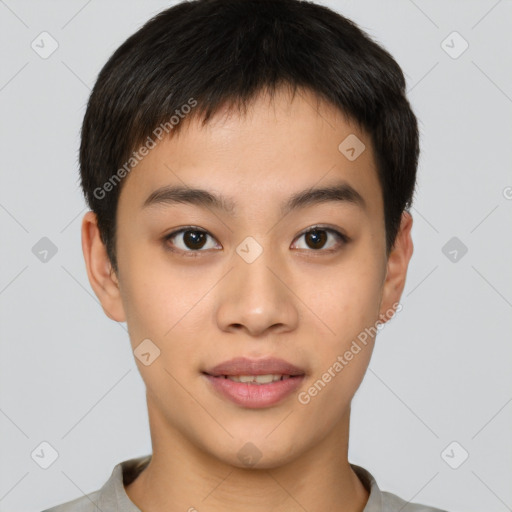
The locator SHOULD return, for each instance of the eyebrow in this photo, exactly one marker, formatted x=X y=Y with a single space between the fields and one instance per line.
x=170 y=195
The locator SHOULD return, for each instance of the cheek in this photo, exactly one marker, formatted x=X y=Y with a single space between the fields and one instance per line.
x=348 y=305
x=350 y=309
x=156 y=297
x=170 y=314
x=345 y=301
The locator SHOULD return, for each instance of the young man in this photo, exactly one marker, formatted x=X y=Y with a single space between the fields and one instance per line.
x=249 y=165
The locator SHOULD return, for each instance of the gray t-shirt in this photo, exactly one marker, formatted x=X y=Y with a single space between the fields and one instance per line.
x=113 y=498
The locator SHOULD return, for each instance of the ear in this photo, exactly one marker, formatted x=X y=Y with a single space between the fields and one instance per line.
x=398 y=263
x=103 y=280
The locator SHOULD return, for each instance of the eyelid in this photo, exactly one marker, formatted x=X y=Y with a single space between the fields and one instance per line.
x=322 y=227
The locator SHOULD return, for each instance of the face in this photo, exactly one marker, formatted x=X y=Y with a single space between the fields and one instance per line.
x=268 y=270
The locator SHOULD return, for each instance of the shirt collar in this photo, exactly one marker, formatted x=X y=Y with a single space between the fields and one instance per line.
x=113 y=497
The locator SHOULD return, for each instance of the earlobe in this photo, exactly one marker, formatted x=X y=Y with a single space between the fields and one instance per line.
x=103 y=280
x=397 y=265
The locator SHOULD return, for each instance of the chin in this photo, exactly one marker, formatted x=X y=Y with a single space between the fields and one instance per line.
x=259 y=451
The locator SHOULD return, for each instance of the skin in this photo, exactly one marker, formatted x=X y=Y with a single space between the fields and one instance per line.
x=295 y=302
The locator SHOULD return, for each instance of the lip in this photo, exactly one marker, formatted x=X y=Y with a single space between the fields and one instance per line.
x=246 y=366
x=254 y=396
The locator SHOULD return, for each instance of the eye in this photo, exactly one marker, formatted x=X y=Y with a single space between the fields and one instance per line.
x=190 y=240
x=317 y=237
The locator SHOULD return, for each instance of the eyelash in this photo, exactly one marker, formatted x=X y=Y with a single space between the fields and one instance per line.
x=342 y=240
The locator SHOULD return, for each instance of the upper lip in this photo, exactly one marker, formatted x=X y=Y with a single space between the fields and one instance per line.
x=246 y=366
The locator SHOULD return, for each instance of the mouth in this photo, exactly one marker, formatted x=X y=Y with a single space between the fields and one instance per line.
x=256 y=379
x=254 y=383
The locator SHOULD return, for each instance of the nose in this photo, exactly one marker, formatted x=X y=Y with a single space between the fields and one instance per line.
x=257 y=298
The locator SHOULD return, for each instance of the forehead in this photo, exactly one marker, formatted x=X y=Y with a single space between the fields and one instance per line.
x=278 y=146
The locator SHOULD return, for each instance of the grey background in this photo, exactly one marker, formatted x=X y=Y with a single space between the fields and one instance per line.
x=441 y=369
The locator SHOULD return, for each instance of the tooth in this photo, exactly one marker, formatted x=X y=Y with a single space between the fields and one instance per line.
x=245 y=378
x=265 y=379
x=234 y=378
x=257 y=379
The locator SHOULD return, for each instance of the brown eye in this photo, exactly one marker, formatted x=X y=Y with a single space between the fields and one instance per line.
x=194 y=239
x=317 y=238
x=189 y=240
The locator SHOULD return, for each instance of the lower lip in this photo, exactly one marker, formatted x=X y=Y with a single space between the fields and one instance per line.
x=255 y=396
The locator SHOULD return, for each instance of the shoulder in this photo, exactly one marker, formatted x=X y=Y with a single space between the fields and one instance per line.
x=383 y=501
x=112 y=496
x=83 y=504
x=392 y=503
